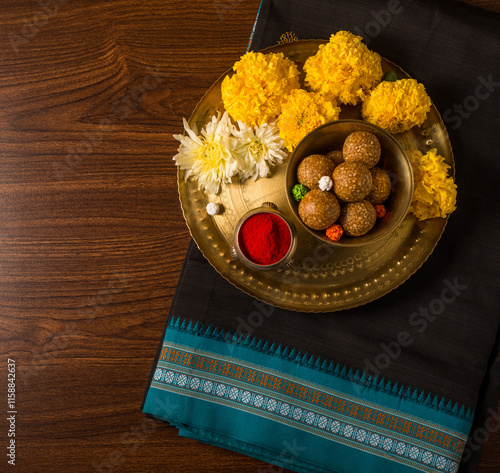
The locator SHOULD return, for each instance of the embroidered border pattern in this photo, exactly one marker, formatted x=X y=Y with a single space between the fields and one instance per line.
x=343 y=423
x=322 y=399
x=343 y=432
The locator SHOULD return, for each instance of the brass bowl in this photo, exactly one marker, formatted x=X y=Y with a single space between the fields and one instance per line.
x=329 y=137
x=238 y=254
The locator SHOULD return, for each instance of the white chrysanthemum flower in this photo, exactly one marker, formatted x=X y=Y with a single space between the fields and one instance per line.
x=257 y=149
x=208 y=156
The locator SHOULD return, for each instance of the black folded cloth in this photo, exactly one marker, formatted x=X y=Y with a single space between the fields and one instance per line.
x=454 y=50
x=449 y=309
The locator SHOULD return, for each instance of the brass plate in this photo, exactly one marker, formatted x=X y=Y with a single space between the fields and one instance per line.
x=323 y=278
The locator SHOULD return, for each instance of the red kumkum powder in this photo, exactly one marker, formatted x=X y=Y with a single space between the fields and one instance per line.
x=264 y=238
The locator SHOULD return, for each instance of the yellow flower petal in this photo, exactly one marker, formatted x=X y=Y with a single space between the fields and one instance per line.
x=255 y=92
x=435 y=193
x=344 y=68
x=302 y=112
x=397 y=106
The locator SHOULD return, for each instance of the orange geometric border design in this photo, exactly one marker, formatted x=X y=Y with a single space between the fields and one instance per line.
x=312 y=396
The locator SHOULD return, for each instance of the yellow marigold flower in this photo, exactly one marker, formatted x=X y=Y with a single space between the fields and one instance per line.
x=344 y=68
x=435 y=193
x=302 y=112
x=397 y=106
x=255 y=92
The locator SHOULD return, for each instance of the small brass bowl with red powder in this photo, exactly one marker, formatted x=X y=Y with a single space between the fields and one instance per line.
x=264 y=239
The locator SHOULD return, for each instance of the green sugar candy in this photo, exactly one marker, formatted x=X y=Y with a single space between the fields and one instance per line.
x=299 y=191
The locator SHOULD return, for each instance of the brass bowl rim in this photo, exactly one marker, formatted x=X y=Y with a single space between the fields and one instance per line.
x=352 y=242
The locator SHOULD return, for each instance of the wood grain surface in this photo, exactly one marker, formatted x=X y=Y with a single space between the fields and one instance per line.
x=92 y=237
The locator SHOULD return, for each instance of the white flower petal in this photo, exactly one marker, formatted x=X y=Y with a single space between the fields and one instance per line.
x=258 y=148
x=208 y=157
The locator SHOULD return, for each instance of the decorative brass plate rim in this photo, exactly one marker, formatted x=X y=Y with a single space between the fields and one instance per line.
x=350 y=277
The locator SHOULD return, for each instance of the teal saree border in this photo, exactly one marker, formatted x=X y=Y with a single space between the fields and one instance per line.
x=342 y=371
x=215 y=370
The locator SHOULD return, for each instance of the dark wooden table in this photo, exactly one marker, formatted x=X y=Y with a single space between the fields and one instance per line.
x=92 y=237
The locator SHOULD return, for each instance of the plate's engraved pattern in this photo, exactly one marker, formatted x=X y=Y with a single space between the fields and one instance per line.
x=288 y=37
x=318 y=281
x=228 y=207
